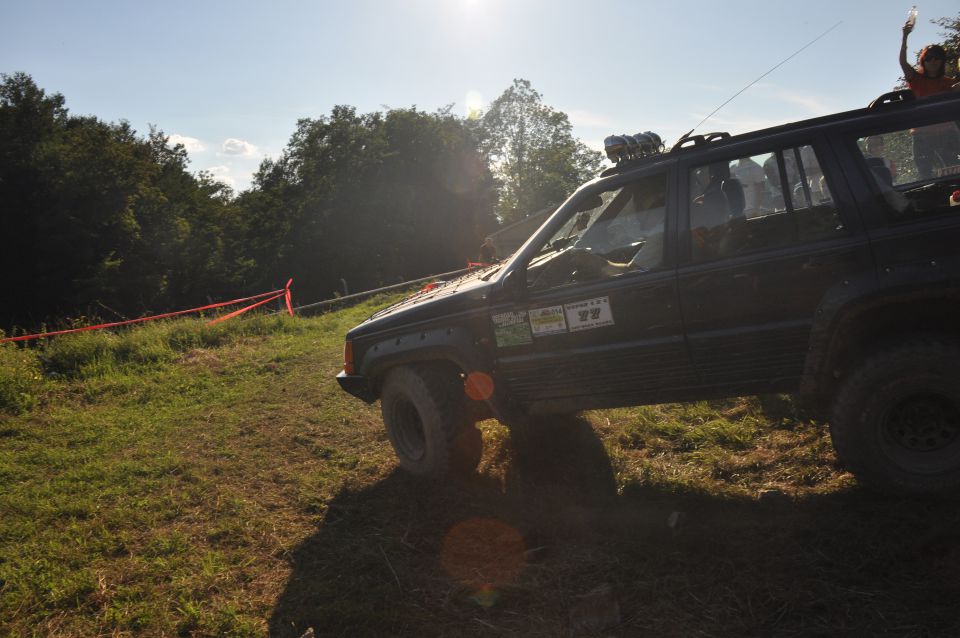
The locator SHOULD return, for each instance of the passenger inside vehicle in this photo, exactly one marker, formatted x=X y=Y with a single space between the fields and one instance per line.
x=715 y=214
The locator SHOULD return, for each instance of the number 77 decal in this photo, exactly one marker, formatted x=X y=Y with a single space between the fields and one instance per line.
x=589 y=314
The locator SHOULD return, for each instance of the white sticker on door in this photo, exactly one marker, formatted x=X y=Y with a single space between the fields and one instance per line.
x=547 y=321
x=589 y=314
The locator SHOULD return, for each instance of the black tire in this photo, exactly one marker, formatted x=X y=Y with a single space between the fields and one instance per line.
x=425 y=417
x=895 y=423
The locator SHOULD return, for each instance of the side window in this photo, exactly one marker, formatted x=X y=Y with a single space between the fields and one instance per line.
x=608 y=234
x=916 y=169
x=760 y=201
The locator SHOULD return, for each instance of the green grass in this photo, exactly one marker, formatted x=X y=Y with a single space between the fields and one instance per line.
x=179 y=480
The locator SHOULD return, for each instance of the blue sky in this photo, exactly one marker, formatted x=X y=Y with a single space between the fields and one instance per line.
x=230 y=79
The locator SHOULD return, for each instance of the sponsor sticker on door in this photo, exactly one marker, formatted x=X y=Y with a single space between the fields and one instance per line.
x=547 y=321
x=511 y=328
x=589 y=314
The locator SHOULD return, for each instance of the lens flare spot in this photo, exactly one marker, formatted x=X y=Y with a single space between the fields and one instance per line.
x=482 y=553
x=478 y=386
x=486 y=596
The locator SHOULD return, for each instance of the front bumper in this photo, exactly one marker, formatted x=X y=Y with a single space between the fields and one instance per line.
x=356 y=385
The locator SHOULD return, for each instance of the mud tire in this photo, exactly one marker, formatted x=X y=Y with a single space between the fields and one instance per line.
x=425 y=416
x=895 y=422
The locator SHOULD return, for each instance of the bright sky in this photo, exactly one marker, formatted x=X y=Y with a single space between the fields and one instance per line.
x=230 y=78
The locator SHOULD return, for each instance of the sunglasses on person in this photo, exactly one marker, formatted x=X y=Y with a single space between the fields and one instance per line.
x=929 y=58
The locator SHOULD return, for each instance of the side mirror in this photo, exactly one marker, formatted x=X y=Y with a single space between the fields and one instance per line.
x=514 y=285
x=589 y=203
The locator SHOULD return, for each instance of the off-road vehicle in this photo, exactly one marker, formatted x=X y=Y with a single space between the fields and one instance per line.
x=820 y=257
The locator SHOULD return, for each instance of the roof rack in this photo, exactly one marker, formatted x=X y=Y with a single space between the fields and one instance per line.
x=697 y=140
x=893 y=97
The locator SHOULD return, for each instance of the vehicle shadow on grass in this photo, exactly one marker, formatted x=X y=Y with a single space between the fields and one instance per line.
x=540 y=543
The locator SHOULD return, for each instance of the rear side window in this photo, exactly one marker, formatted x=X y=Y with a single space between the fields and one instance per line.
x=760 y=201
x=917 y=169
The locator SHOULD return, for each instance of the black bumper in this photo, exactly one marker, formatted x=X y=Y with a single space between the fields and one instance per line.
x=357 y=386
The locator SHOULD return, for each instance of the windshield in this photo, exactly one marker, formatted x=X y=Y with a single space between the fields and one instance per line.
x=585 y=226
x=605 y=234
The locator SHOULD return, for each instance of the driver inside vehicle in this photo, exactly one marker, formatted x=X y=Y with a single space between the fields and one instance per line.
x=626 y=234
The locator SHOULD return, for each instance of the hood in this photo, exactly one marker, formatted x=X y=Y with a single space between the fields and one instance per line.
x=440 y=299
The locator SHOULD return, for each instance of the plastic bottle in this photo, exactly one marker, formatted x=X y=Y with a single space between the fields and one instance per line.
x=912 y=16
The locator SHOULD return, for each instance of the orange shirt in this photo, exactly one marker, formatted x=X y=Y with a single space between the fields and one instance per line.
x=923 y=86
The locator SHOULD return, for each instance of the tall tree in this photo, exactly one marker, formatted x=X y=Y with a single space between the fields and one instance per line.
x=532 y=151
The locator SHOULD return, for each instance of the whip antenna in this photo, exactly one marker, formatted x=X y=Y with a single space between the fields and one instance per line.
x=772 y=69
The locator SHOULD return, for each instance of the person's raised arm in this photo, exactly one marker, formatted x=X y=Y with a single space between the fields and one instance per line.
x=908 y=71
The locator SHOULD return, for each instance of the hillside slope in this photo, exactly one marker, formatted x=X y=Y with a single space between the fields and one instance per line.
x=181 y=480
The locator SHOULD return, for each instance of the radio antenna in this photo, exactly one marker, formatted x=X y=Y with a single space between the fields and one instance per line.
x=772 y=69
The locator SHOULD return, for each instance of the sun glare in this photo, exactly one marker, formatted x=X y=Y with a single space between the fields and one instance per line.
x=473 y=103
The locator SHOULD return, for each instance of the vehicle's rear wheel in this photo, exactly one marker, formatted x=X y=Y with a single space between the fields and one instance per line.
x=896 y=421
x=424 y=413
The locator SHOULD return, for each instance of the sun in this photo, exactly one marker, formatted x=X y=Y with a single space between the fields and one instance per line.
x=473 y=102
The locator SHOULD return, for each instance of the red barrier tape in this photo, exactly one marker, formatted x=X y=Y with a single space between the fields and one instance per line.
x=274 y=294
x=243 y=310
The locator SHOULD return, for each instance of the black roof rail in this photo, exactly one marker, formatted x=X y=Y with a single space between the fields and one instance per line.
x=717 y=135
x=697 y=140
x=893 y=97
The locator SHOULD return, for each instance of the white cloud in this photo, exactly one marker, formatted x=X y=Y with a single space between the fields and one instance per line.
x=585 y=118
x=221 y=173
x=233 y=146
x=192 y=144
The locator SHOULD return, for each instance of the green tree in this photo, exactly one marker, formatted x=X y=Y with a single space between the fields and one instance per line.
x=99 y=217
x=532 y=152
x=951 y=38
x=370 y=198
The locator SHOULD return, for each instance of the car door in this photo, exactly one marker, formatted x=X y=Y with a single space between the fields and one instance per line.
x=910 y=196
x=598 y=322
x=772 y=239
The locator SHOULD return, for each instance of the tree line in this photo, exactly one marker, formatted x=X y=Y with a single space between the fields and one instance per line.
x=100 y=221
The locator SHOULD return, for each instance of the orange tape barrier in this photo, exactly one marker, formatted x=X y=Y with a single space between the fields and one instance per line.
x=265 y=297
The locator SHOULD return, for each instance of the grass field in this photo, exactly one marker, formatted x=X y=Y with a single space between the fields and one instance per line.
x=177 y=480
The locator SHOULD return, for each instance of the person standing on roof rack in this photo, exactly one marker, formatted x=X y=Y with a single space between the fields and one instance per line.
x=933 y=146
x=928 y=78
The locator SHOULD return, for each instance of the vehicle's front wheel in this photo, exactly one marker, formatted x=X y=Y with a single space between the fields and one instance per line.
x=426 y=420
x=896 y=421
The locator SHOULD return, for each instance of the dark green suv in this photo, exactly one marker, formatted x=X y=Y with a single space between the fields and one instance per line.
x=820 y=257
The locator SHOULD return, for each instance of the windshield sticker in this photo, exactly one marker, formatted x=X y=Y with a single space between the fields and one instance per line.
x=589 y=314
x=547 y=321
x=511 y=328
